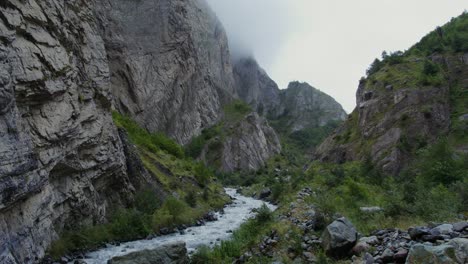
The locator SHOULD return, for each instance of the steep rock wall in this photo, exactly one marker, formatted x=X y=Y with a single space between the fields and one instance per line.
x=61 y=160
x=170 y=63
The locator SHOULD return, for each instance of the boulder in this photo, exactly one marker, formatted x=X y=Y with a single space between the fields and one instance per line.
x=417 y=232
x=460 y=226
x=339 y=238
x=443 y=229
x=387 y=255
x=175 y=253
x=461 y=249
x=400 y=256
x=425 y=254
x=265 y=193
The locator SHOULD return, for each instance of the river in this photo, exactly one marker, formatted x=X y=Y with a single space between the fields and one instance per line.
x=209 y=234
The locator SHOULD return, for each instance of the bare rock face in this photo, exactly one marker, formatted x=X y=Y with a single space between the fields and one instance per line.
x=169 y=62
x=61 y=160
x=247 y=146
x=304 y=106
x=255 y=87
x=300 y=106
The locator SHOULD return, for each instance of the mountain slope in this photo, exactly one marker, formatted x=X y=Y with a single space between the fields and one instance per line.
x=408 y=101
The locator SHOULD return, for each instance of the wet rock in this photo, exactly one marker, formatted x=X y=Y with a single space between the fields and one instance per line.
x=265 y=193
x=210 y=217
x=339 y=238
x=425 y=254
x=175 y=253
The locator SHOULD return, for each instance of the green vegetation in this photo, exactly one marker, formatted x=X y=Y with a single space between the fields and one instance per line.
x=248 y=235
x=151 y=141
x=165 y=161
x=236 y=111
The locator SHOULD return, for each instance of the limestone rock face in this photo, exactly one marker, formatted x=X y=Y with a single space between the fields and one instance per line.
x=61 y=160
x=248 y=144
x=170 y=63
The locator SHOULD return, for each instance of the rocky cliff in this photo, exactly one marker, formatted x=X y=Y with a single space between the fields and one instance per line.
x=64 y=66
x=243 y=145
x=409 y=100
x=303 y=106
x=296 y=108
x=255 y=87
x=61 y=159
x=169 y=62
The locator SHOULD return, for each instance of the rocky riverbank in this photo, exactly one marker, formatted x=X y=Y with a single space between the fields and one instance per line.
x=434 y=243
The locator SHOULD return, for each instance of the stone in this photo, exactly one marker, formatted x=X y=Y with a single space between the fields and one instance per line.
x=265 y=193
x=372 y=240
x=372 y=209
x=175 y=253
x=461 y=249
x=425 y=254
x=443 y=229
x=339 y=237
x=387 y=255
x=400 y=256
x=460 y=226
x=417 y=232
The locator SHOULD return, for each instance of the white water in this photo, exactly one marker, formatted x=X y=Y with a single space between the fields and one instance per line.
x=210 y=234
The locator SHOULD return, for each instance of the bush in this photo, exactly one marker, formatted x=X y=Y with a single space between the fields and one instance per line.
x=264 y=214
x=202 y=174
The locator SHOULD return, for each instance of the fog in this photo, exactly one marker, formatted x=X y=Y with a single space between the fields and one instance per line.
x=328 y=43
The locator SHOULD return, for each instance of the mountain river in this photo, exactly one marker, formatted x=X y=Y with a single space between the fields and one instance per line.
x=209 y=234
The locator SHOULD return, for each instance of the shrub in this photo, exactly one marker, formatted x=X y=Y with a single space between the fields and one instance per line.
x=191 y=199
x=264 y=214
x=202 y=174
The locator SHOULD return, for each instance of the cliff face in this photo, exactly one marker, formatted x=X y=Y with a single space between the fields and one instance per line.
x=61 y=160
x=245 y=145
x=63 y=66
x=303 y=106
x=255 y=87
x=169 y=62
x=298 y=107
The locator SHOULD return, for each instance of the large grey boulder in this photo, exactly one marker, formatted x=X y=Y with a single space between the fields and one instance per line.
x=425 y=254
x=339 y=238
x=175 y=253
x=461 y=249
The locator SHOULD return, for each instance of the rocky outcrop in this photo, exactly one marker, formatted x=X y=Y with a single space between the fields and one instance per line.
x=169 y=62
x=61 y=159
x=246 y=145
x=168 y=254
x=393 y=119
x=303 y=106
x=255 y=87
x=298 y=107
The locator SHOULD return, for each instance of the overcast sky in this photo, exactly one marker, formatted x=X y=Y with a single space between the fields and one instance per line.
x=328 y=43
